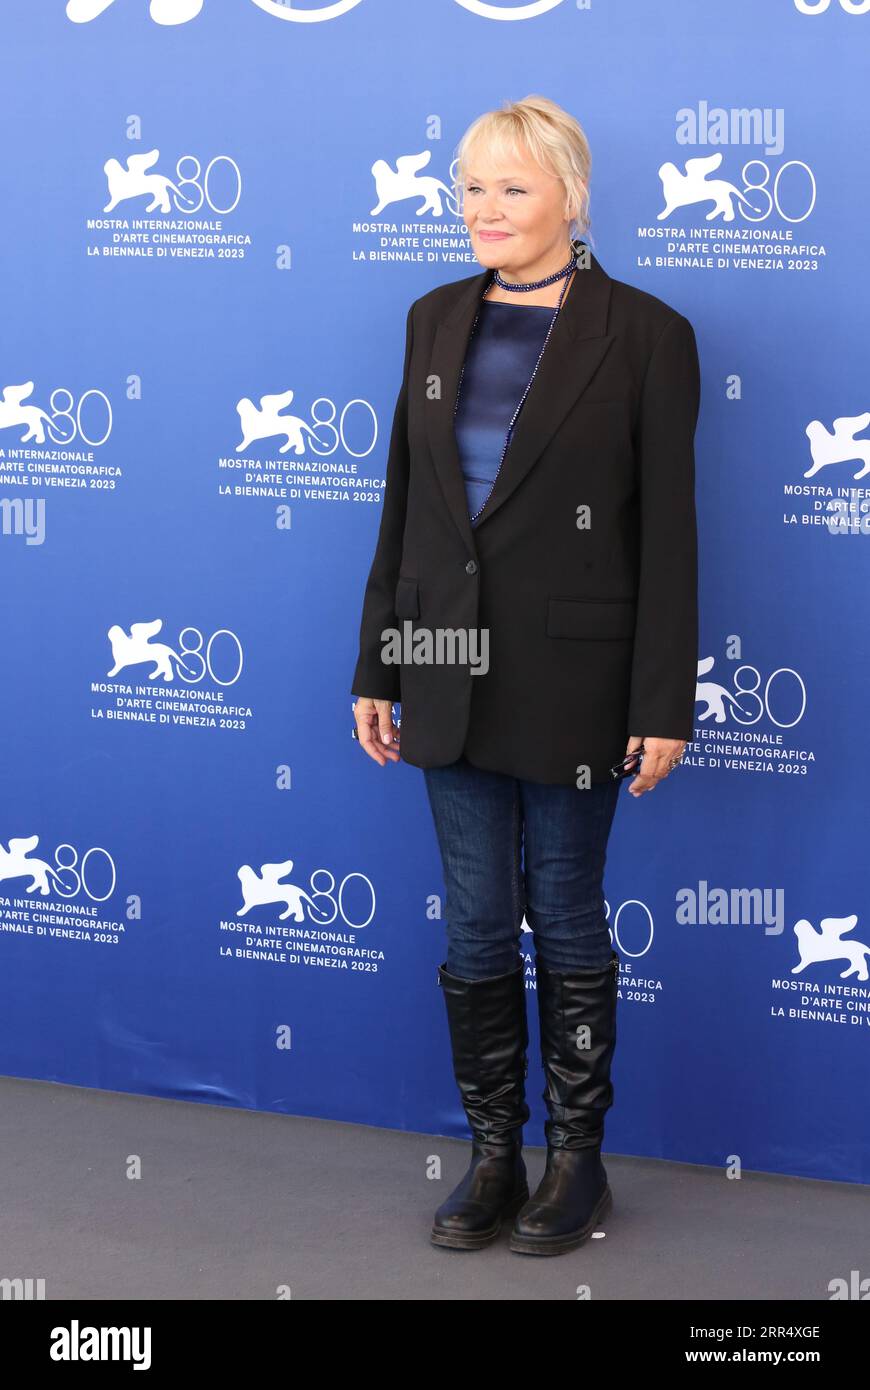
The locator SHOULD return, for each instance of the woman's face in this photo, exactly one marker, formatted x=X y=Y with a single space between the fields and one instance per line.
x=514 y=212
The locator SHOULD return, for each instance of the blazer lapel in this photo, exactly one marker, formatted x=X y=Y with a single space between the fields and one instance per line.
x=576 y=347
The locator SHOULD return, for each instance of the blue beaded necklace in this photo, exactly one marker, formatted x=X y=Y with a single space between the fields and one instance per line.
x=523 y=289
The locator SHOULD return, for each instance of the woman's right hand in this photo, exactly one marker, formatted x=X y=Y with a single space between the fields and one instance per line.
x=375 y=729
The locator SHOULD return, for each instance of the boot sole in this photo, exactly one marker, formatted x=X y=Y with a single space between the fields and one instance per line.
x=559 y=1245
x=477 y=1240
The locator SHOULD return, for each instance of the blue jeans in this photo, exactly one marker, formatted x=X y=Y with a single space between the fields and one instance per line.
x=486 y=824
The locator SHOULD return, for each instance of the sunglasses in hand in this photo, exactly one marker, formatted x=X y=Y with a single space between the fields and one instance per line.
x=629 y=765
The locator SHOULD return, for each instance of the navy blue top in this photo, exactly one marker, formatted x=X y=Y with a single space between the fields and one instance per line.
x=501 y=357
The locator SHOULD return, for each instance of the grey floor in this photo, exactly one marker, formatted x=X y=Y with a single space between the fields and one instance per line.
x=235 y=1204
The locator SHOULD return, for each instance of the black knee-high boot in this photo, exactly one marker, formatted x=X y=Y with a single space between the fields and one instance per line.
x=574 y=1194
x=489 y=1038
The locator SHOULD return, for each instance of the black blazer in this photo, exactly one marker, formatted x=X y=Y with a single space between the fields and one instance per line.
x=592 y=617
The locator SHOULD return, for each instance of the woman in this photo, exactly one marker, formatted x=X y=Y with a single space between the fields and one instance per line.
x=538 y=549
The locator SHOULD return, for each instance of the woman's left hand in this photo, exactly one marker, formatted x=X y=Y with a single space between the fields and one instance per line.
x=658 y=756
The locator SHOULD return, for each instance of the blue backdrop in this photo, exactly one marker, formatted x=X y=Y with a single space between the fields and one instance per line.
x=207 y=891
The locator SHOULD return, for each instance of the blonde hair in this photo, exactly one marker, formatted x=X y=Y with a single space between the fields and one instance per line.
x=553 y=139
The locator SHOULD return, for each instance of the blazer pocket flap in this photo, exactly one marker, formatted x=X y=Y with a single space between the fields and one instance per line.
x=407 y=603
x=605 y=619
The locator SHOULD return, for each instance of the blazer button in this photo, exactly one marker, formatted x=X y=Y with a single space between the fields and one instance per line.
x=471 y=567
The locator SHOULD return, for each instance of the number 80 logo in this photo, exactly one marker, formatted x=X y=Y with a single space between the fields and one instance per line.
x=820 y=6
